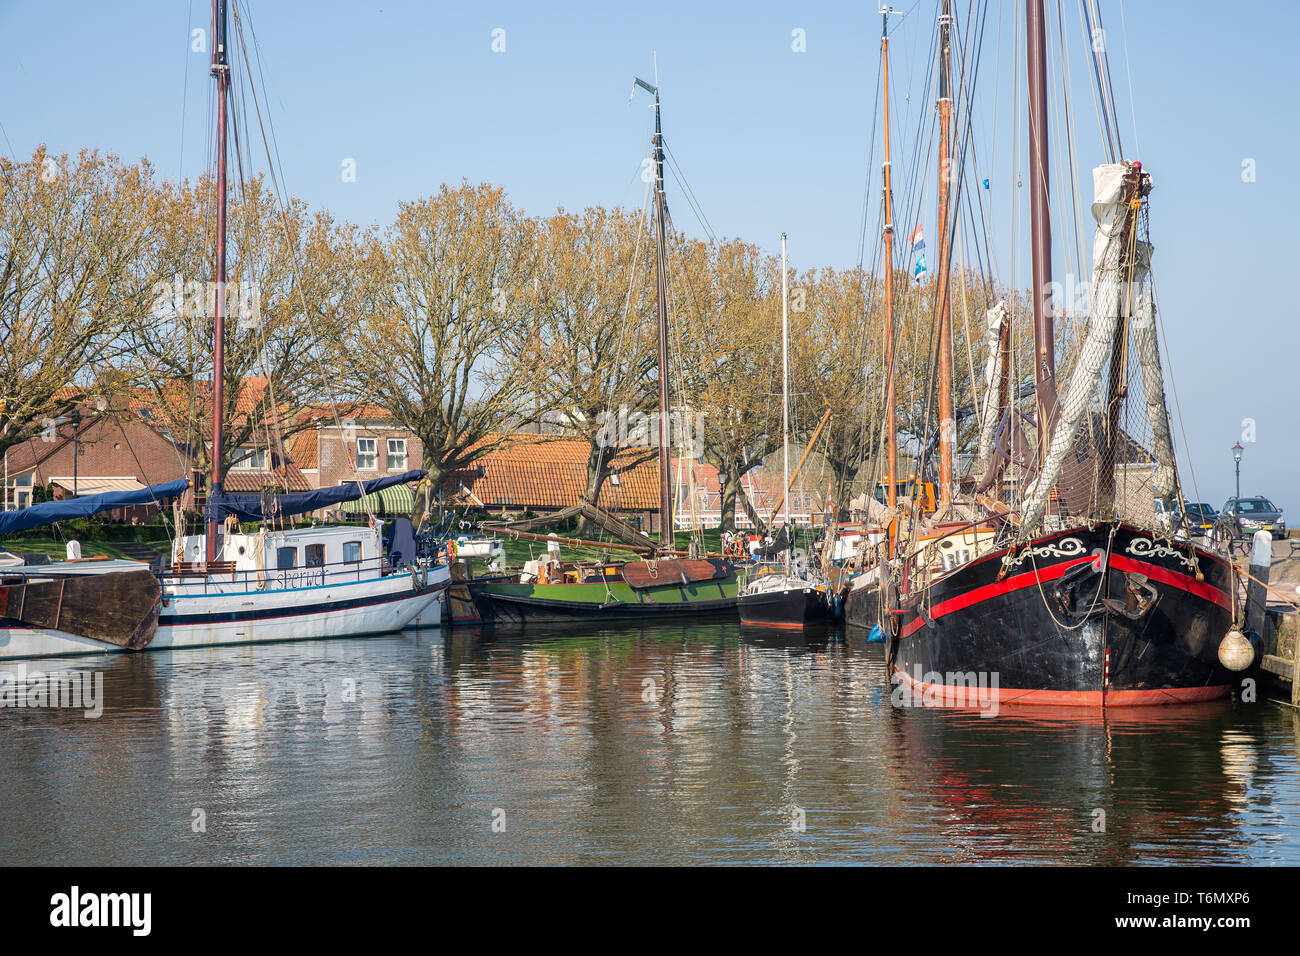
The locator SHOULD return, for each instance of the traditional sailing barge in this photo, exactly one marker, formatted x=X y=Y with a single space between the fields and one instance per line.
x=648 y=589
x=1057 y=592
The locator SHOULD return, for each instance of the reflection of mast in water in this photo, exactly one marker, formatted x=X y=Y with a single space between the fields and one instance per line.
x=795 y=815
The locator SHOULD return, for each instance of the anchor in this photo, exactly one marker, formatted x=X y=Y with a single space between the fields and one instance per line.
x=1139 y=597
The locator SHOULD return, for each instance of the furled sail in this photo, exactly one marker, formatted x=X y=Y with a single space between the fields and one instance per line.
x=253 y=508
x=996 y=319
x=11 y=522
x=1119 y=290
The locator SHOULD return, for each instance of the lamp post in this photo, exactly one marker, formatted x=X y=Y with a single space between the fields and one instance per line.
x=1236 y=457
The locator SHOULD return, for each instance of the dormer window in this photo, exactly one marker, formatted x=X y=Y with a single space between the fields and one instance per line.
x=252 y=459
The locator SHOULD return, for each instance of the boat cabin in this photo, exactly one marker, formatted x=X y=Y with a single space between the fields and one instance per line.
x=302 y=557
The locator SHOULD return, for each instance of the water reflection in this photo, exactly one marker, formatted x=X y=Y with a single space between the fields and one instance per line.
x=689 y=743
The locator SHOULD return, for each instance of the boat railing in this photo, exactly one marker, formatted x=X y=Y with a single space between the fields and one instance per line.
x=221 y=575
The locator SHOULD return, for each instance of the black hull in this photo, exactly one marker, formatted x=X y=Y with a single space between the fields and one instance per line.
x=862 y=607
x=794 y=608
x=1052 y=628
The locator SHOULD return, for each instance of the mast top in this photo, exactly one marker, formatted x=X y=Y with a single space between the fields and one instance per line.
x=945 y=55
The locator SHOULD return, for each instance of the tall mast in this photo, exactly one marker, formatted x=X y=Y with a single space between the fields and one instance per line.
x=891 y=412
x=947 y=426
x=221 y=71
x=661 y=289
x=1041 y=223
x=785 y=393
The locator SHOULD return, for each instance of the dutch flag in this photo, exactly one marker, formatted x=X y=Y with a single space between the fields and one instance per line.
x=918 y=248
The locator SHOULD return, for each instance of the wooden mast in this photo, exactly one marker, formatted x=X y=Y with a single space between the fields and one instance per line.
x=661 y=290
x=891 y=412
x=221 y=71
x=1041 y=224
x=785 y=397
x=947 y=174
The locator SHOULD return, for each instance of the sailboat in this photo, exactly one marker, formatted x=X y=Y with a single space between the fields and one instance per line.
x=1065 y=591
x=659 y=585
x=786 y=596
x=234 y=587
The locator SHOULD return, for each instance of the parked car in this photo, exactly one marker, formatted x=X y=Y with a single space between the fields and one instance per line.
x=1199 y=517
x=1192 y=523
x=1255 y=514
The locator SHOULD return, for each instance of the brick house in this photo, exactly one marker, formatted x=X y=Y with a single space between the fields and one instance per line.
x=359 y=442
x=90 y=455
x=126 y=449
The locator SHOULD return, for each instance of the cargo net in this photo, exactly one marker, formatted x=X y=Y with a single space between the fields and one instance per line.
x=1111 y=456
x=1113 y=468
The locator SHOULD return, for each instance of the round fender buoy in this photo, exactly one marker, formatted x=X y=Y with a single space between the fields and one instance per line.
x=1235 y=652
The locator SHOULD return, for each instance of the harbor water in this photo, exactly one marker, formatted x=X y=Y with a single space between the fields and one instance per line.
x=661 y=745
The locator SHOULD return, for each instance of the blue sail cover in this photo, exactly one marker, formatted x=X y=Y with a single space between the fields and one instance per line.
x=11 y=522
x=249 y=507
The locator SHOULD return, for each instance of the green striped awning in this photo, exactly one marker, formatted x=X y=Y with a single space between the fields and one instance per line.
x=390 y=502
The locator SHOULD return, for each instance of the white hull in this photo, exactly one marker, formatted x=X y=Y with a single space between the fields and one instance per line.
x=192 y=618
x=204 y=615
x=19 y=642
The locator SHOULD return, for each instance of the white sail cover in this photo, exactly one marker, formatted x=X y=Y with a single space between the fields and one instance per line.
x=996 y=319
x=1113 y=298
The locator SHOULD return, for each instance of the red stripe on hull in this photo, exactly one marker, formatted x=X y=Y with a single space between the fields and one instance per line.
x=1092 y=699
x=1030 y=578
x=1164 y=576
x=1015 y=583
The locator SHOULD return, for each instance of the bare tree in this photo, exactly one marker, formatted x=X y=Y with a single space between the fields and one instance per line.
x=71 y=234
x=292 y=282
x=591 y=348
x=448 y=287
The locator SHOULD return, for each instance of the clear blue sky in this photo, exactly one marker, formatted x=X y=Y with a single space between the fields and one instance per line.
x=769 y=139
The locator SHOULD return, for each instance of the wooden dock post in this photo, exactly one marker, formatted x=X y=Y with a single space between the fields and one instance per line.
x=1261 y=559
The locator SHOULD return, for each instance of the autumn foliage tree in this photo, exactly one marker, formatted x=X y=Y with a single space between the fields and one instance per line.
x=73 y=235
x=447 y=289
x=591 y=346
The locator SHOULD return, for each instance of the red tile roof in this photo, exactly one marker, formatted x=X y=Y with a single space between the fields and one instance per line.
x=544 y=472
x=304 y=449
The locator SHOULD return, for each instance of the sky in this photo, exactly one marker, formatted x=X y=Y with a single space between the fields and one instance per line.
x=768 y=109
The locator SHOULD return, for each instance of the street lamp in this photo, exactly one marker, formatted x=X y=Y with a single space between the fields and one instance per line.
x=1236 y=457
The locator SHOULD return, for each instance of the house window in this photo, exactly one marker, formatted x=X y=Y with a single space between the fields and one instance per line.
x=254 y=459
x=315 y=555
x=286 y=559
x=18 y=492
x=366 y=454
x=397 y=454
x=351 y=552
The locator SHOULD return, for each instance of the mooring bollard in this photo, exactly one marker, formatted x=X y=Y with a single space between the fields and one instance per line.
x=1261 y=558
x=1240 y=649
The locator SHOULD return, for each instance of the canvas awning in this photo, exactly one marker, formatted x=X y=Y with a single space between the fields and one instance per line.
x=95 y=485
x=397 y=500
